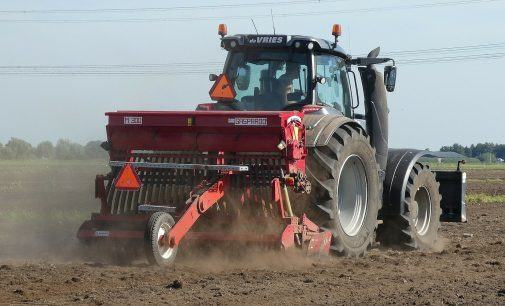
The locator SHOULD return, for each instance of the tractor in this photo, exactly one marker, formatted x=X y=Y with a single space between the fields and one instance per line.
x=281 y=158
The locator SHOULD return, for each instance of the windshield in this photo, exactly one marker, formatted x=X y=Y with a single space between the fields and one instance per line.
x=268 y=79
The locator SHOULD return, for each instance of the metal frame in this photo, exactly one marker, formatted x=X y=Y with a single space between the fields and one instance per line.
x=234 y=168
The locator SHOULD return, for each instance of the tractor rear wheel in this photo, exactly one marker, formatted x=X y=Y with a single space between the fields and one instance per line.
x=347 y=190
x=158 y=252
x=417 y=227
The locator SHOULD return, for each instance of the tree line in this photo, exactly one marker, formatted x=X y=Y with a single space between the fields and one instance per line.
x=485 y=152
x=64 y=149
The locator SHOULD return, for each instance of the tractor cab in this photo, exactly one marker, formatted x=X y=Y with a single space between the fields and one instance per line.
x=281 y=72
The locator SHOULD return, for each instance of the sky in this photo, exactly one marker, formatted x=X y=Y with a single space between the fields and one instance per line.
x=435 y=103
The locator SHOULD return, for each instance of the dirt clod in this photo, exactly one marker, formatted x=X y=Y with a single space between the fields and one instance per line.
x=5 y=267
x=176 y=284
x=493 y=262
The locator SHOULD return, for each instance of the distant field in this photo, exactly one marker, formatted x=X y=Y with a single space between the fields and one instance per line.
x=469 y=166
x=44 y=201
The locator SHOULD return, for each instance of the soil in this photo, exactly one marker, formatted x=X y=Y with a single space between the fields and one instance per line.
x=491 y=182
x=469 y=270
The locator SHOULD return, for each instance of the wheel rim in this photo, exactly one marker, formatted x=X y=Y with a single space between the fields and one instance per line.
x=422 y=217
x=352 y=195
x=164 y=248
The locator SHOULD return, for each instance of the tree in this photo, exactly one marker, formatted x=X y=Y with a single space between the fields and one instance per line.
x=45 y=150
x=93 y=150
x=487 y=157
x=20 y=148
x=65 y=149
x=454 y=148
x=477 y=150
x=500 y=151
x=6 y=153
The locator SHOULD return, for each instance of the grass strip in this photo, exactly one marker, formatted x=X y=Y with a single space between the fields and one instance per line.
x=485 y=198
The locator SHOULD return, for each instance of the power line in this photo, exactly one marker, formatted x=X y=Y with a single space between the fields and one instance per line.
x=387 y=8
x=240 y=17
x=420 y=61
x=207 y=64
x=164 y=9
x=449 y=59
x=456 y=49
x=192 y=68
x=91 y=73
x=448 y=49
x=174 y=64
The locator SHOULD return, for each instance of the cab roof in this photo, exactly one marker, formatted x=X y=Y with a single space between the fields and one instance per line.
x=279 y=41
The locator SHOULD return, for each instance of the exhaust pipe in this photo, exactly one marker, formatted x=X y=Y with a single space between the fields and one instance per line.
x=376 y=111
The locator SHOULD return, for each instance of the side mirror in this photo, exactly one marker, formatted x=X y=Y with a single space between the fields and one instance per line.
x=390 y=78
x=212 y=77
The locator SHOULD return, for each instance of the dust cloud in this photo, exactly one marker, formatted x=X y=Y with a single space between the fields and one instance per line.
x=43 y=203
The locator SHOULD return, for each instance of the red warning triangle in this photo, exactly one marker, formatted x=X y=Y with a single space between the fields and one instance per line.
x=222 y=90
x=128 y=179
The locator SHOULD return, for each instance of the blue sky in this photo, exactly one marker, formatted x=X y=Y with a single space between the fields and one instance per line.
x=434 y=104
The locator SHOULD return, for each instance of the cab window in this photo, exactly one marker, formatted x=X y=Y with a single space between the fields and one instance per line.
x=335 y=92
x=269 y=79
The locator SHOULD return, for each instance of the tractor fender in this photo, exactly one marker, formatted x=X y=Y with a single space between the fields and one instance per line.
x=320 y=128
x=399 y=165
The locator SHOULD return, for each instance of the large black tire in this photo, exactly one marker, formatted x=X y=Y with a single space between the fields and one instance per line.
x=161 y=255
x=347 y=163
x=417 y=227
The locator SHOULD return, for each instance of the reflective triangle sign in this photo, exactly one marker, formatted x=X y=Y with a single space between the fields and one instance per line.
x=222 y=90
x=128 y=179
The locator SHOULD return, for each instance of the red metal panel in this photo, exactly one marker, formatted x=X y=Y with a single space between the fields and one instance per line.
x=198 y=130
x=199 y=118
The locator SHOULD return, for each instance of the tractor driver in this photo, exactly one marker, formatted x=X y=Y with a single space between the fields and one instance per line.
x=284 y=84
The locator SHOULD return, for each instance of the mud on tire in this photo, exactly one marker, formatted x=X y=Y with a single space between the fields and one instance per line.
x=347 y=190
x=417 y=227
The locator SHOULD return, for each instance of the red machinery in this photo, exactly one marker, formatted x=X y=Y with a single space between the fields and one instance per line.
x=186 y=163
